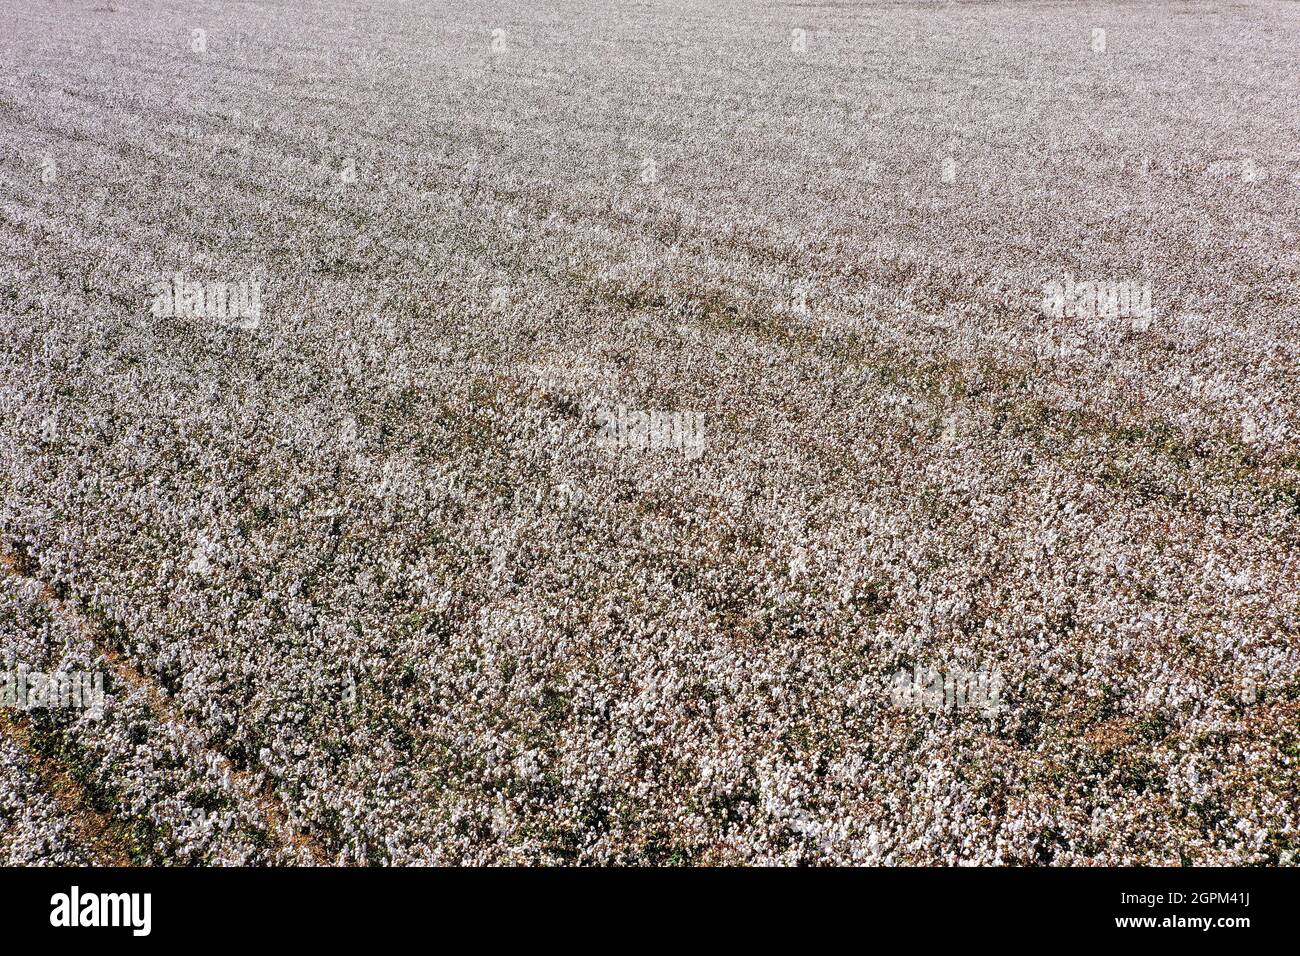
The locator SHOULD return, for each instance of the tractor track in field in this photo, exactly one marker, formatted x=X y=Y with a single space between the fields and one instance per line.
x=98 y=834
x=74 y=796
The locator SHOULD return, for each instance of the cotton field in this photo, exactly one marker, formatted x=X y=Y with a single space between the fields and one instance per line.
x=672 y=433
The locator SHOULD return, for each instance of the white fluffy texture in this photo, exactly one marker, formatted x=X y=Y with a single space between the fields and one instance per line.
x=565 y=655
x=34 y=829
x=156 y=774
